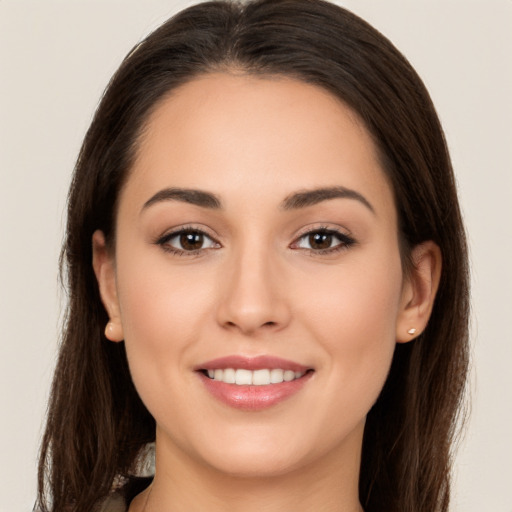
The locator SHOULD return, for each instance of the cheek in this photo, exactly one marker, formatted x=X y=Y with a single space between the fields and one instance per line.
x=355 y=324
x=153 y=306
x=163 y=313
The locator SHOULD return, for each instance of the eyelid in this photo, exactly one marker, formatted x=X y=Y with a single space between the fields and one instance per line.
x=162 y=240
x=345 y=238
x=323 y=227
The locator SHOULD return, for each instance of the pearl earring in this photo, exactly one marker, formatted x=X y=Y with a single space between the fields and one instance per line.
x=108 y=329
x=114 y=331
x=411 y=331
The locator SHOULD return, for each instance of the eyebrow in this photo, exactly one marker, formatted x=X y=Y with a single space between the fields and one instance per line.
x=306 y=198
x=185 y=195
x=295 y=201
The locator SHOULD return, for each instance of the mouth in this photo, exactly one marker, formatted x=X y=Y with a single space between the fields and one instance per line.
x=243 y=377
x=253 y=384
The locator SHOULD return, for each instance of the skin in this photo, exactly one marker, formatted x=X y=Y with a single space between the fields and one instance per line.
x=257 y=288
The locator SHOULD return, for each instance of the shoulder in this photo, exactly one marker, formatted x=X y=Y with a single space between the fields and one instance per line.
x=120 y=501
x=114 y=503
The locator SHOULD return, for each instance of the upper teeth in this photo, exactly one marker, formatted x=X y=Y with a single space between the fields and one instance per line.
x=254 y=378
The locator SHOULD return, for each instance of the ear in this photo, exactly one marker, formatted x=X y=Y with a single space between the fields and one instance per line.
x=104 y=268
x=419 y=291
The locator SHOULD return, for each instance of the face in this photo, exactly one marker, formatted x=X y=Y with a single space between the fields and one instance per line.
x=256 y=279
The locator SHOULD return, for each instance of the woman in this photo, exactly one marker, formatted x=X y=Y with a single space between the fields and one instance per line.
x=267 y=274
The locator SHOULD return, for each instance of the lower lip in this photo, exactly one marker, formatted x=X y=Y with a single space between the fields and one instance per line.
x=253 y=398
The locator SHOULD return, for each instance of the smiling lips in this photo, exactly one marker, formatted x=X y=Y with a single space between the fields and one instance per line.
x=253 y=383
x=263 y=377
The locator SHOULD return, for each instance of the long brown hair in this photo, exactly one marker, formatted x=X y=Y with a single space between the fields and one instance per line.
x=97 y=424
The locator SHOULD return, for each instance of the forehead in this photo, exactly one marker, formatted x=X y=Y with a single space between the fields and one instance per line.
x=266 y=136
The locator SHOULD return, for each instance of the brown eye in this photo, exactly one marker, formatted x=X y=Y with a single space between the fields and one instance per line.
x=323 y=241
x=187 y=241
x=191 y=241
x=320 y=240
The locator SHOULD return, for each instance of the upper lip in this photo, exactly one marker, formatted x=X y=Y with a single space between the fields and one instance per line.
x=252 y=363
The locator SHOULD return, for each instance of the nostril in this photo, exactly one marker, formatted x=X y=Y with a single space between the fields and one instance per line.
x=266 y=324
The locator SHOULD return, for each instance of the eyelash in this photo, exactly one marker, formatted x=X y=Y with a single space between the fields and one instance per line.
x=345 y=241
x=164 y=240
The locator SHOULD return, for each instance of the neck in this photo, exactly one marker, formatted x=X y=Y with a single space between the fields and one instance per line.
x=183 y=484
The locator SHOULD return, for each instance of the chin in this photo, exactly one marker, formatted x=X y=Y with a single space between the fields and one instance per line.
x=244 y=451
x=261 y=451
x=256 y=463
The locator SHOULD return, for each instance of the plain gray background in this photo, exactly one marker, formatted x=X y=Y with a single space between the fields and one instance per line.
x=55 y=59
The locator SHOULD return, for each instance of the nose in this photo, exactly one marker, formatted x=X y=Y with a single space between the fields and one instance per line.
x=253 y=295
